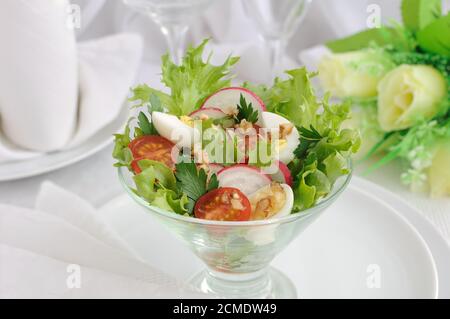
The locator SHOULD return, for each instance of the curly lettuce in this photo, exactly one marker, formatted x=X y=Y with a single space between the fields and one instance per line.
x=121 y=152
x=157 y=184
x=190 y=83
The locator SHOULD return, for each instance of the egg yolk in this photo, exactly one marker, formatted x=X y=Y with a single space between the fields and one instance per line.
x=187 y=120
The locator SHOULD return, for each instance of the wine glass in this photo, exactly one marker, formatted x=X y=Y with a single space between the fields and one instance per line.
x=276 y=20
x=173 y=18
x=237 y=255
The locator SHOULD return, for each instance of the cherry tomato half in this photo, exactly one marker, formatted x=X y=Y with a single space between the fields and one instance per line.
x=152 y=147
x=224 y=204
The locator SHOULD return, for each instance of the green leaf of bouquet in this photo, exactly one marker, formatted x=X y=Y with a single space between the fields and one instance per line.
x=435 y=37
x=361 y=40
x=377 y=146
x=417 y=14
x=384 y=161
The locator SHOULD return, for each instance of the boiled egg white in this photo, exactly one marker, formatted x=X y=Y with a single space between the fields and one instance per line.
x=288 y=143
x=266 y=234
x=175 y=130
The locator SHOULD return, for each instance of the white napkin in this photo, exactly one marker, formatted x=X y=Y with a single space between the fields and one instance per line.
x=38 y=82
x=37 y=249
x=54 y=94
x=107 y=69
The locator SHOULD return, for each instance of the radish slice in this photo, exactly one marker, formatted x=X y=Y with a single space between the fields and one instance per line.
x=209 y=112
x=227 y=100
x=279 y=172
x=246 y=178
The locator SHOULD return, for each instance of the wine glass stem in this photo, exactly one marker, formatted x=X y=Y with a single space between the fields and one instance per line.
x=276 y=49
x=175 y=36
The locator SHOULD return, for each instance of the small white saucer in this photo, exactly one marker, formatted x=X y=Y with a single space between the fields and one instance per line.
x=369 y=244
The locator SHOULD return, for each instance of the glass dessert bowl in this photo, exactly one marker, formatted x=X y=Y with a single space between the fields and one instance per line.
x=238 y=254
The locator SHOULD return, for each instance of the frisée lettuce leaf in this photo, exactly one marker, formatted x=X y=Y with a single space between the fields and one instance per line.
x=157 y=184
x=189 y=83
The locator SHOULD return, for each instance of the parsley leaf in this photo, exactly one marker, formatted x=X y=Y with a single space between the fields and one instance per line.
x=193 y=182
x=213 y=183
x=246 y=112
x=155 y=104
x=308 y=138
x=147 y=127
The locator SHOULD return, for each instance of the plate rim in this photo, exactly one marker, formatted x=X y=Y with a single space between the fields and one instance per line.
x=417 y=234
x=406 y=212
x=432 y=240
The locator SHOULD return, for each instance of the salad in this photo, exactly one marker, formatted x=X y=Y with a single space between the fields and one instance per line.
x=214 y=151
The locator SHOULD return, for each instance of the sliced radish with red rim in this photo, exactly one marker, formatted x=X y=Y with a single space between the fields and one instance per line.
x=227 y=100
x=279 y=172
x=247 y=179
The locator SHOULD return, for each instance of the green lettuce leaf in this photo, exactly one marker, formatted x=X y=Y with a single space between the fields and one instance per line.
x=163 y=174
x=169 y=201
x=335 y=165
x=145 y=95
x=294 y=98
x=121 y=152
x=157 y=184
x=313 y=185
x=304 y=194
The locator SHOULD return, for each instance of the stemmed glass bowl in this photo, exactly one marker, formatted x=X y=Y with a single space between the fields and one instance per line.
x=238 y=254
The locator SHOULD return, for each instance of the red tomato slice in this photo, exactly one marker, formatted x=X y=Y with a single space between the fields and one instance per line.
x=224 y=204
x=135 y=165
x=152 y=147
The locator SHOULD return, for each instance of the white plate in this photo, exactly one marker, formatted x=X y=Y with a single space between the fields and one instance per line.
x=367 y=235
x=56 y=160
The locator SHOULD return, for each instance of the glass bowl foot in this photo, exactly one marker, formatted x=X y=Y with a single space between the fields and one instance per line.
x=266 y=284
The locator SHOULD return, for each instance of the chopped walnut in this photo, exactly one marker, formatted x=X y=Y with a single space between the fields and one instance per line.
x=262 y=207
x=245 y=126
x=285 y=130
x=236 y=204
x=225 y=199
